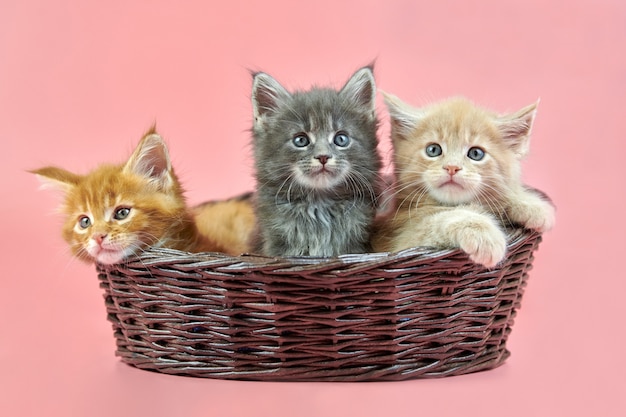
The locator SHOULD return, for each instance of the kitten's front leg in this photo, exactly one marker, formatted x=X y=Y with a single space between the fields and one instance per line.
x=528 y=208
x=477 y=234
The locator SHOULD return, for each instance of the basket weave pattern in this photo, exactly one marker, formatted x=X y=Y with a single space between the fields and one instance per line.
x=414 y=314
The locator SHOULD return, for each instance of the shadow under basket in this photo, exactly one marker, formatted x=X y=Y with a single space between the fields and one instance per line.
x=417 y=313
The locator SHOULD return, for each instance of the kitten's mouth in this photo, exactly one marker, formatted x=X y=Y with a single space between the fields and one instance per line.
x=109 y=255
x=452 y=183
x=450 y=191
x=321 y=178
x=323 y=174
x=322 y=171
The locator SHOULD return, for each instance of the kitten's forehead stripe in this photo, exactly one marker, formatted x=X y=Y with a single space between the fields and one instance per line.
x=331 y=122
x=312 y=123
x=318 y=122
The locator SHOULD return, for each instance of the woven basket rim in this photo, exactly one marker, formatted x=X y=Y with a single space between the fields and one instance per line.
x=157 y=255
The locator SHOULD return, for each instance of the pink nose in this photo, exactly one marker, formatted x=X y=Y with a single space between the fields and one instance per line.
x=322 y=158
x=99 y=237
x=452 y=169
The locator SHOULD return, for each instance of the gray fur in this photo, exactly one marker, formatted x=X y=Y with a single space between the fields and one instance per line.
x=298 y=213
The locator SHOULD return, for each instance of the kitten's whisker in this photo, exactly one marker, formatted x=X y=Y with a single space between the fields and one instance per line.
x=72 y=258
x=397 y=189
x=496 y=206
x=416 y=200
x=280 y=188
x=410 y=196
x=362 y=185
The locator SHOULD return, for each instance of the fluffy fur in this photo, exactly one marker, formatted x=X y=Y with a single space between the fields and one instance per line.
x=116 y=211
x=230 y=222
x=457 y=169
x=316 y=166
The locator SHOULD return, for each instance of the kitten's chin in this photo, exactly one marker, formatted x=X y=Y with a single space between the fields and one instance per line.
x=109 y=256
x=452 y=194
x=320 y=180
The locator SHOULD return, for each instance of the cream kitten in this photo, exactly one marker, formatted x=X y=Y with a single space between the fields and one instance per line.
x=458 y=177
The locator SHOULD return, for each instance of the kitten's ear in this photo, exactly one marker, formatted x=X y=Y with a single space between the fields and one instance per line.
x=361 y=89
x=403 y=117
x=515 y=128
x=56 y=178
x=151 y=160
x=267 y=95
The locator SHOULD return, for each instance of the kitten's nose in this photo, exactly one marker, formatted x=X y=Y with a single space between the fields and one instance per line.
x=452 y=169
x=99 y=237
x=323 y=158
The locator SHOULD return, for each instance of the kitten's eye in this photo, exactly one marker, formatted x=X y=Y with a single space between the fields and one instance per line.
x=121 y=213
x=341 y=139
x=476 y=154
x=433 y=150
x=84 y=222
x=301 y=141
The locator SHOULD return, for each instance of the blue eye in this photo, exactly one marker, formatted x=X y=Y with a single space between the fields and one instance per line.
x=121 y=213
x=476 y=154
x=84 y=222
x=301 y=140
x=341 y=139
x=433 y=150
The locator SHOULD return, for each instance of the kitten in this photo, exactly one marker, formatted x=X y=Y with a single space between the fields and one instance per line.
x=458 y=176
x=316 y=166
x=116 y=211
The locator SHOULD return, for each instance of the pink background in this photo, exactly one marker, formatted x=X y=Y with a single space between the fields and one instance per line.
x=80 y=83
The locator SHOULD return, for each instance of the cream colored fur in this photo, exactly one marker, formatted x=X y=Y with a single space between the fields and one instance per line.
x=458 y=179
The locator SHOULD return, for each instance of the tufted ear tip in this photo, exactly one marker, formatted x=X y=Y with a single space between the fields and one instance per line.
x=516 y=128
x=267 y=95
x=361 y=88
x=403 y=117
x=151 y=160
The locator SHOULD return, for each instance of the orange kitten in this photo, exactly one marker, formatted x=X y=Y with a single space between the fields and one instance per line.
x=458 y=179
x=116 y=211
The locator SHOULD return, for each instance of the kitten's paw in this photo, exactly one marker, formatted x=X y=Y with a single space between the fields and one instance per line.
x=536 y=215
x=484 y=242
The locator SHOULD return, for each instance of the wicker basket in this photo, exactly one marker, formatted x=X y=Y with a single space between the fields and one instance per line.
x=414 y=314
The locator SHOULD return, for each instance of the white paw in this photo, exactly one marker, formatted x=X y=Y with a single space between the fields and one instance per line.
x=542 y=217
x=484 y=243
x=531 y=210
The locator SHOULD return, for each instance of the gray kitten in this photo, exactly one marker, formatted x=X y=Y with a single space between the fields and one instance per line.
x=316 y=166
